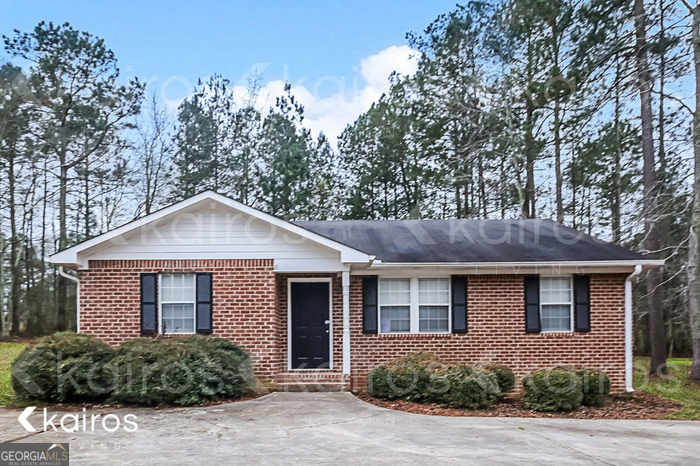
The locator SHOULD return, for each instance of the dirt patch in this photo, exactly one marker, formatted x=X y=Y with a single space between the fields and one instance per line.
x=27 y=340
x=639 y=405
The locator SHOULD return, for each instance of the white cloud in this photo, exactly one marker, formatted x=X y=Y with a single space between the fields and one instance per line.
x=350 y=97
x=332 y=113
x=377 y=68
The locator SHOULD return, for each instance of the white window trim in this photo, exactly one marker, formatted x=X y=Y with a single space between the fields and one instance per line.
x=414 y=306
x=161 y=302
x=330 y=318
x=570 y=303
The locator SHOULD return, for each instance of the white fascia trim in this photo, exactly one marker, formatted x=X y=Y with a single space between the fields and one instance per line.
x=69 y=257
x=496 y=265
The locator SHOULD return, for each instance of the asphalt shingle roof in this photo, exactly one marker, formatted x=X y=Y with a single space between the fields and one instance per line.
x=469 y=240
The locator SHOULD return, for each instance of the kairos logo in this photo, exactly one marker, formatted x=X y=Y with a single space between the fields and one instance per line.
x=79 y=422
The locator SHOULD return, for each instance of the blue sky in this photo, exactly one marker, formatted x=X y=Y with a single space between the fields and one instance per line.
x=335 y=54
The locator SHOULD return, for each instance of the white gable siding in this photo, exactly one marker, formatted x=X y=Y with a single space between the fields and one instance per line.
x=209 y=230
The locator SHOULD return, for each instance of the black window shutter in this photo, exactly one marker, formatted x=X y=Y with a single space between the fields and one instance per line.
x=532 y=304
x=204 y=303
x=459 y=304
x=369 y=304
x=582 y=303
x=149 y=304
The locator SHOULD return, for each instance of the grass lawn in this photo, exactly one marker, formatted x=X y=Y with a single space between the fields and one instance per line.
x=675 y=386
x=8 y=352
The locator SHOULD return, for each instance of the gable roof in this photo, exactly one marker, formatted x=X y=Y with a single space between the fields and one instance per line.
x=398 y=242
x=473 y=241
x=72 y=256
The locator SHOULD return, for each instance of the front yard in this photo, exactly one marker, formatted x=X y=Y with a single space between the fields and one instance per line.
x=8 y=353
x=675 y=386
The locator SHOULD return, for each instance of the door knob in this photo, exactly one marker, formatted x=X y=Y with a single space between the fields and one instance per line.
x=327 y=322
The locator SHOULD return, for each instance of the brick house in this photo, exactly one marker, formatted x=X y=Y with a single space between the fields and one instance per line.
x=323 y=302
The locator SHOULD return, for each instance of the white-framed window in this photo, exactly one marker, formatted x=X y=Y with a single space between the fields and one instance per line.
x=177 y=303
x=556 y=304
x=395 y=305
x=414 y=305
x=433 y=305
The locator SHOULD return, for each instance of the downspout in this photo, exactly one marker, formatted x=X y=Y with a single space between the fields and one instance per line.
x=629 y=359
x=75 y=279
x=346 y=322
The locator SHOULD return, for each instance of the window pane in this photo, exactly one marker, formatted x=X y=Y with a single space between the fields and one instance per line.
x=434 y=319
x=177 y=287
x=433 y=291
x=555 y=290
x=394 y=291
x=395 y=319
x=178 y=318
x=556 y=318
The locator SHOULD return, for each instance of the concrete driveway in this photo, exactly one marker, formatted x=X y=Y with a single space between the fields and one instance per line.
x=304 y=428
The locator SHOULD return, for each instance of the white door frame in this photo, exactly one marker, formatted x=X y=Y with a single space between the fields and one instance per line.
x=328 y=280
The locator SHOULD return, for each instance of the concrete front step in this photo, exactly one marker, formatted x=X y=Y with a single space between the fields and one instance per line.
x=311 y=381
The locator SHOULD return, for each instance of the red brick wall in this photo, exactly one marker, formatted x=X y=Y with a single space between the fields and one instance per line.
x=243 y=295
x=497 y=332
x=250 y=308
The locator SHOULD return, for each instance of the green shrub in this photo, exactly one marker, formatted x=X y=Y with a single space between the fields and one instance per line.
x=595 y=386
x=404 y=378
x=552 y=390
x=180 y=371
x=465 y=387
x=505 y=376
x=63 y=367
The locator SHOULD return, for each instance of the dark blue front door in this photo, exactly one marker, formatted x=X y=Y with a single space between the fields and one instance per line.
x=310 y=325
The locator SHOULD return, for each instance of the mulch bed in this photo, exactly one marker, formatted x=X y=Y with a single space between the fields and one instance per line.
x=639 y=405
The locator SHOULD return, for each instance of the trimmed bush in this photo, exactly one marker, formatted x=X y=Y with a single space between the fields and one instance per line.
x=552 y=390
x=595 y=386
x=505 y=376
x=63 y=367
x=404 y=378
x=465 y=387
x=180 y=371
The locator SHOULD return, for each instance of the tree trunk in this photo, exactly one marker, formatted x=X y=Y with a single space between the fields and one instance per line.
x=62 y=299
x=615 y=201
x=529 y=200
x=3 y=323
x=694 y=245
x=86 y=200
x=44 y=208
x=15 y=245
x=657 y=333
x=482 y=186
x=557 y=132
x=557 y=162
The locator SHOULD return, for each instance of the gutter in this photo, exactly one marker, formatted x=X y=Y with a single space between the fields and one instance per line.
x=75 y=279
x=376 y=264
x=629 y=360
